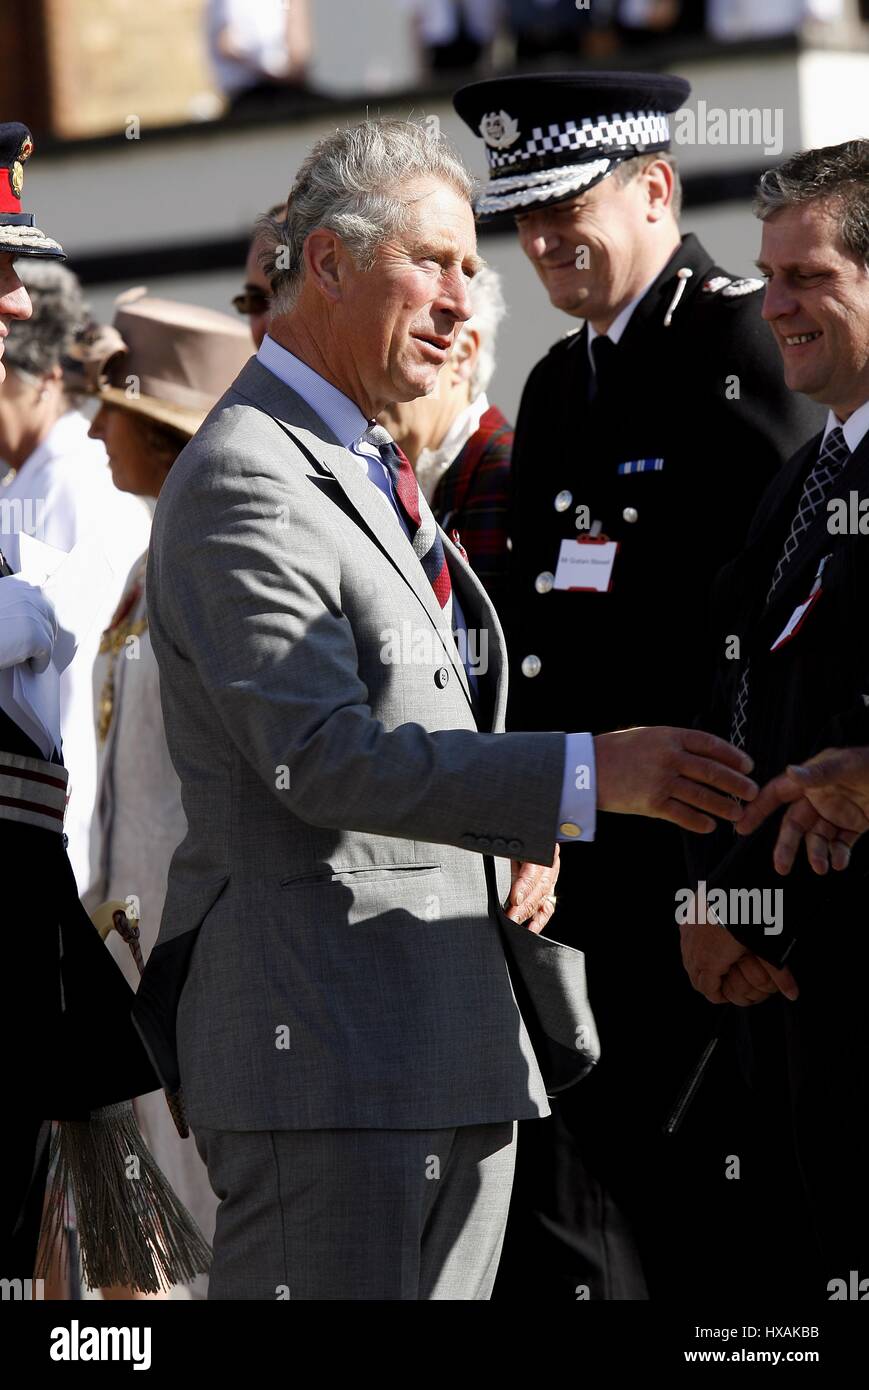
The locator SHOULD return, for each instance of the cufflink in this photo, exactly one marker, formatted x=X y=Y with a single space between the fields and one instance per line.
x=569 y=828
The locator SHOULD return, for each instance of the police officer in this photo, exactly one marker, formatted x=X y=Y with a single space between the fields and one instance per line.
x=644 y=440
x=70 y=1051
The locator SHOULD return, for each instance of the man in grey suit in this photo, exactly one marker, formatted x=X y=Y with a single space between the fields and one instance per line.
x=349 y=979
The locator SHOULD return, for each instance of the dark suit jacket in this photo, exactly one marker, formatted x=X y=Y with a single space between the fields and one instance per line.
x=809 y=694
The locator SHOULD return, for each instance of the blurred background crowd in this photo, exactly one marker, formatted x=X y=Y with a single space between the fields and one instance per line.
x=91 y=64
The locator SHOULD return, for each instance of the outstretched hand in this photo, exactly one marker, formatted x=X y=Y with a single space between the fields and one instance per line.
x=680 y=775
x=828 y=809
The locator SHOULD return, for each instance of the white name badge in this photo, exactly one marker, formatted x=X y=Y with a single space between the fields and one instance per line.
x=586 y=566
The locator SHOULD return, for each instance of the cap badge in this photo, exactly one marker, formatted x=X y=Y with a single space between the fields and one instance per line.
x=16 y=173
x=499 y=130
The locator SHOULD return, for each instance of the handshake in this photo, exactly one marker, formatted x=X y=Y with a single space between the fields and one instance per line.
x=827 y=803
x=689 y=777
x=686 y=776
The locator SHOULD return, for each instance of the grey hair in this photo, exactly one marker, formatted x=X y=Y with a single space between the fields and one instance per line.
x=37 y=344
x=839 y=173
x=350 y=184
x=631 y=168
x=489 y=308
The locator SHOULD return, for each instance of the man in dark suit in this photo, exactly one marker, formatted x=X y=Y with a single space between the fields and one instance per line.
x=658 y=425
x=797 y=683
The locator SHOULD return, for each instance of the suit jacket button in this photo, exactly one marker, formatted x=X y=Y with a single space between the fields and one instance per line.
x=484 y=843
x=515 y=846
x=469 y=840
x=442 y=675
x=499 y=846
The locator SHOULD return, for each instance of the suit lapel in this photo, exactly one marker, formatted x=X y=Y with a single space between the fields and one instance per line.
x=371 y=507
x=479 y=611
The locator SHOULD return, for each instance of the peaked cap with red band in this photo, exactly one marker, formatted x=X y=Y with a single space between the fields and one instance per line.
x=18 y=234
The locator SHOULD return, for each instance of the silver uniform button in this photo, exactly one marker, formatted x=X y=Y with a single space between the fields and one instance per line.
x=563 y=500
x=544 y=582
x=531 y=666
x=630 y=514
x=509 y=543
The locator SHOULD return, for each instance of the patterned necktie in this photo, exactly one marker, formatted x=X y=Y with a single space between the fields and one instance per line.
x=424 y=534
x=817 y=487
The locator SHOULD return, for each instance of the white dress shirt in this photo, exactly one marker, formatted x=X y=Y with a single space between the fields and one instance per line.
x=854 y=428
x=619 y=323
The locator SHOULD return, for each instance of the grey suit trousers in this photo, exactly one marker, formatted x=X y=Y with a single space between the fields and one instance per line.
x=352 y=1214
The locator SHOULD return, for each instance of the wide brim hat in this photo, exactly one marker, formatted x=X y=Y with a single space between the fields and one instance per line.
x=550 y=136
x=19 y=235
x=163 y=359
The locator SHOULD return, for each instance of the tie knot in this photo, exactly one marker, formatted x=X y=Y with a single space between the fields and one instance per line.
x=378 y=436
x=835 y=450
x=602 y=349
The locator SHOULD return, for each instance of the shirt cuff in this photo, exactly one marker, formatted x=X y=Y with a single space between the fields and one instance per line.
x=577 y=815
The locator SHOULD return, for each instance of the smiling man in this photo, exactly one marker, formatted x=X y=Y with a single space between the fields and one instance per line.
x=797 y=598
x=336 y=978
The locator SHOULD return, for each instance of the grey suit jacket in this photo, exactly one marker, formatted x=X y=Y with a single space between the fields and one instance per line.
x=332 y=950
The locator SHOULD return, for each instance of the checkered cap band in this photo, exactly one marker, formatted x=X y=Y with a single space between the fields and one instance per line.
x=641 y=130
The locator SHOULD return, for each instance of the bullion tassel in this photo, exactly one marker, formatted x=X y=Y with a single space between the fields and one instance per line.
x=132 y=1229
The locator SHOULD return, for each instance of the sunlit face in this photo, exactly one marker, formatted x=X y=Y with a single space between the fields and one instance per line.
x=817 y=304
x=14 y=301
x=609 y=223
x=399 y=319
x=135 y=466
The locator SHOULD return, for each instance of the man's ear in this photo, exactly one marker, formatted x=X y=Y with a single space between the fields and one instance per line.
x=323 y=250
x=659 y=182
x=465 y=354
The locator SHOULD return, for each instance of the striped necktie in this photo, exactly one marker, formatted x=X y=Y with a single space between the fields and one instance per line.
x=834 y=454
x=424 y=534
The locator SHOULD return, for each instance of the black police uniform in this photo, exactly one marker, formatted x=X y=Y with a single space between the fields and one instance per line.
x=687 y=425
x=667 y=447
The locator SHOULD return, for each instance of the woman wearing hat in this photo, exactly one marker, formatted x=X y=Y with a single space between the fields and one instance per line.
x=181 y=359
x=70 y=1050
